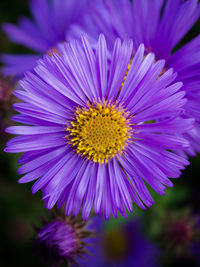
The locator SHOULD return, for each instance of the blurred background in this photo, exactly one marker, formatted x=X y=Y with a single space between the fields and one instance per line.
x=169 y=231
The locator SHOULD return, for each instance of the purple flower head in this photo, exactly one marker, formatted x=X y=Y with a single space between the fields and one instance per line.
x=50 y=25
x=159 y=25
x=121 y=246
x=99 y=128
x=181 y=233
x=64 y=240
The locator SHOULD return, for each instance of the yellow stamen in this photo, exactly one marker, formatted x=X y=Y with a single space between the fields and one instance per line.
x=53 y=50
x=99 y=131
x=129 y=65
x=162 y=72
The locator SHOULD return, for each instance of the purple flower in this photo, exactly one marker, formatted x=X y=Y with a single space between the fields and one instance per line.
x=65 y=240
x=50 y=26
x=121 y=246
x=180 y=234
x=92 y=139
x=159 y=25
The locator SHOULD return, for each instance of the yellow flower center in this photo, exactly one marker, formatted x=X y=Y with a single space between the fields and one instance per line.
x=99 y=132
x=115 y=245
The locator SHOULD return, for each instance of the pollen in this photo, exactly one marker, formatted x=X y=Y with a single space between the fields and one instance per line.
x=99 y=131
x=53 y=50
x=129 y=65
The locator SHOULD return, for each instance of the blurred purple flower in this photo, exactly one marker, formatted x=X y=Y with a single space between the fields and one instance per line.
x=49 y=27
x=94 y=140
x=160 y=25
x=181 y=233
x=65 y=239
x=121 y=246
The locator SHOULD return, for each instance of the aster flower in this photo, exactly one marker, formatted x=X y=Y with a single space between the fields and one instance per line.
x=49 y=26
x=123 y=245
x=181 y=233
x=65 y=240
x=160 y=25
x=92 y=139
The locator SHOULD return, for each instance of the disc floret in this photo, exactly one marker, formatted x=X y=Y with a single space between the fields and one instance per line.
x=100 y=131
